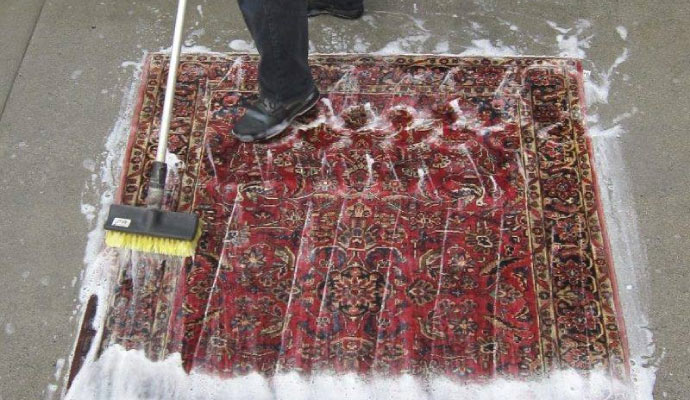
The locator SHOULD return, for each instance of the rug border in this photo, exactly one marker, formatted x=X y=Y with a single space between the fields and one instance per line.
x=133 y=126
x=622 y=327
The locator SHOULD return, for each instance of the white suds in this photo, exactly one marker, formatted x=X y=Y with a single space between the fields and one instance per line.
x=59 y=364
x=127 y=64
x=598 y=86
x=89 y=164
x=242 y=45
x=623 y=32
x=558 y=28
x=194 y=36
x=442 y=47
x=122 y=374
x=89 y=211
x=572 y=44
x=403 y=45
x=50 y=390
x=101 y=265
x=411 y=43
x=109 y=175
x=174 y=162
x=613 y=132
x=360 y=46
x=484 y=47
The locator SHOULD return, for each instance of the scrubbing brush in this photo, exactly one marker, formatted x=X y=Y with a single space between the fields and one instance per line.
x=151 y=229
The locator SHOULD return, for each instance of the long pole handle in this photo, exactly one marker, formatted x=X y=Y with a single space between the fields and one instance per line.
x=172 y=81
x=159 y=170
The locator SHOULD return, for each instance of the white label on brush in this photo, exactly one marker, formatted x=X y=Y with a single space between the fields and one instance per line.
x=122 y=222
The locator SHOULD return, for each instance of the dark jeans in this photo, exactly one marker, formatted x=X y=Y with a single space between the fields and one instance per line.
x=279 y=28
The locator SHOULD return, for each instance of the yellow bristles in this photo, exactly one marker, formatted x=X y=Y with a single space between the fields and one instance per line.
x=151 y=244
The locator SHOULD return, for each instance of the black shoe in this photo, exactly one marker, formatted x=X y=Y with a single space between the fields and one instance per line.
x=266 y=118
x=317 y=7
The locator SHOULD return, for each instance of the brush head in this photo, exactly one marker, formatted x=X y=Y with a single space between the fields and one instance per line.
x=152 y=244
x=152 y=230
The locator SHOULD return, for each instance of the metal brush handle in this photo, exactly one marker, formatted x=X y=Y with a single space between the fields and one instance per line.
x=159 y=168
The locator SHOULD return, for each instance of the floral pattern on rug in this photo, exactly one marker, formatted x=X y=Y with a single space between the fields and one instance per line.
x=432 y=215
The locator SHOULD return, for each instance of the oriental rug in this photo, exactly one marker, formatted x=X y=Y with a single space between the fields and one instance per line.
x=432 y=215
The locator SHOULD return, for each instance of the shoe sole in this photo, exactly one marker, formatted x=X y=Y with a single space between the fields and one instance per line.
x=278 y=129
x=336 y=13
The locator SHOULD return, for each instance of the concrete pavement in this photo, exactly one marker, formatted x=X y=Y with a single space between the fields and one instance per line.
x=62 y=80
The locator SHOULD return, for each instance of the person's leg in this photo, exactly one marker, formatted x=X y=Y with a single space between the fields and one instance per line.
x=279 y=29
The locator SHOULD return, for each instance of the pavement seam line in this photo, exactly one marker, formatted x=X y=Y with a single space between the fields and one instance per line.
x=21 y=61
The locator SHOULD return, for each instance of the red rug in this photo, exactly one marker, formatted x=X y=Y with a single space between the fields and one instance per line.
x=433 y=215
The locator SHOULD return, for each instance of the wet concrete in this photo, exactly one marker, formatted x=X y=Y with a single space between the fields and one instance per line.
x=71 y=80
